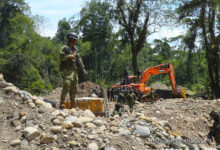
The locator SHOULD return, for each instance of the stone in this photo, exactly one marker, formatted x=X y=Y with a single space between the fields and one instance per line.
x=90 y=137
x=77 y=124
x=47 y=106
x=72 y=144
x=84 y=119
x=1 y=100
x=114 y=129
x=56 y=122
x=98 y=123
x=34 y=98
x=109 y=148
x=67 y=125
x=39 y=102
x=56 y=129
x=125 y=133
x=18 y=128
x=93 y=146
x=71 y=118
x=55 y=148
x=23 y=119
x=1 y=77
x=30 y=133
x=11 y=89
x=88 y=113
x=21 y=114
x=15 y=142
x=143 y=131
x=90 y=125
x=24 y=145
x=47 y=139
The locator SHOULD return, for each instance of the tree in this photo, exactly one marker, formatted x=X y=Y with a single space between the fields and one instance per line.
x=137 y=18
x=63 y=28
x=96 y=29
x=205 y=16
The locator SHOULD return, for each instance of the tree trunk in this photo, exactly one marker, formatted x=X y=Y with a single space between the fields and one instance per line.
x=134 y=61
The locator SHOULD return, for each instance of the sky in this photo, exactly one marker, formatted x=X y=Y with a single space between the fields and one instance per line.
x=55 y=10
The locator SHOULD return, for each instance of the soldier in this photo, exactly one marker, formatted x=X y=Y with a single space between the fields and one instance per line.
x=125 y=77
x=109 y=93
x=112 y=94
x=70 y=61
x=95 y=91
x=101 y=92
x=121 y=96
x=140 y=94
x=131 y=100
x=119 y=108
x=215 y=130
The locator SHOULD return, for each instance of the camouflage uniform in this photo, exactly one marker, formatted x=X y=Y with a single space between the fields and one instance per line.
x=131 y=97
x=121 y=97
x=69 y=68
x=215 y=130
x=118 y=109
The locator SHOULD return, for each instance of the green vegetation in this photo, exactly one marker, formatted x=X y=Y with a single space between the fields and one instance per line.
x=31 y=61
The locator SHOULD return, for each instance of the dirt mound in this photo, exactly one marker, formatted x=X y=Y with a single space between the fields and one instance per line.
x=158 y=85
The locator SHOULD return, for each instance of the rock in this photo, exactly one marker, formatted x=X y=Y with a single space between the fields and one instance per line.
x=1 y=77
x=114 y=129
x=47 y=106
x=93 y=146
x=15 y=142
x=39 y=103
x=72 y=144
x=55 y=148
x=71 y=118
x=11 y=90
x=42 y=110
x=23 y=119
x=90 y=137
x=125 y=133
x=18 y=128
x=47 y=139
x=56 y=129
x=77 y=124
x=98 y=123
x=24 y=145
x=84 y=119
x=25 y=95
x=21 y=114
x=56 y=122
x=88 y=113
x=67 y=125
x=143 y=131
x=34 y=98
x=90 y=125
x=109 y=148
x=1 y=100
x=30 y=133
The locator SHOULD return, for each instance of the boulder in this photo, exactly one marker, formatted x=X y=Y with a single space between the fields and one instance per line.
x=11 y=89
x=67 y=125
x=143 y=131
x=15 y=142
x=85 y=119
x=30 y=133
x=56 y=129
x=88 y=113
x=93 y=146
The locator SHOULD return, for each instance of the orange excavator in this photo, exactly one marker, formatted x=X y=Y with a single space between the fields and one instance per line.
x=141 y=83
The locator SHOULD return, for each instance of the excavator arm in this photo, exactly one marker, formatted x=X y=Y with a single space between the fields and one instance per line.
x=160 y=69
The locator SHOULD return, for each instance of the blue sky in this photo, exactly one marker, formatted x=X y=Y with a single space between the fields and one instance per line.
x=55 y=10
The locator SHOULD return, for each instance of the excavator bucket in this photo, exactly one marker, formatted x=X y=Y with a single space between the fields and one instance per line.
x=181 y=92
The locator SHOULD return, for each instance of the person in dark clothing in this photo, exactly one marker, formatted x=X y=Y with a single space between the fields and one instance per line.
x=125 y=76
x=101 y=92
x=109 y=93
